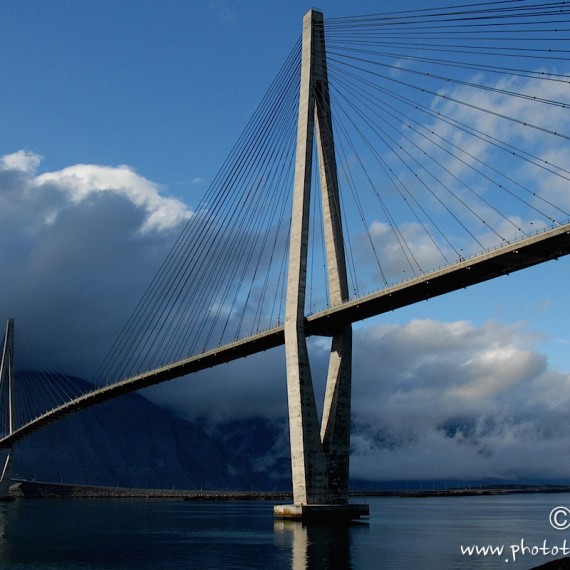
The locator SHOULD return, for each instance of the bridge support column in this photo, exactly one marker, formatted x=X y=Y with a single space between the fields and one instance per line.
x=6 y=467
x=7 y=384
x=319 y=452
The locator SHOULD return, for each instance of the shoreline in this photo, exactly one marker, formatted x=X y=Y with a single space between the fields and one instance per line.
x=24 y=489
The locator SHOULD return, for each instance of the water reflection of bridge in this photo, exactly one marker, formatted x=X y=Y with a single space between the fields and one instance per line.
x=317 y=546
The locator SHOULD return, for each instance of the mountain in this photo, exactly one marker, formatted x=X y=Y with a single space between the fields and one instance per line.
x=131 y=442
x=261 y=447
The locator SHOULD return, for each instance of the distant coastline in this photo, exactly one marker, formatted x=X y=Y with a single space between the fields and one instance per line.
x=22 y=488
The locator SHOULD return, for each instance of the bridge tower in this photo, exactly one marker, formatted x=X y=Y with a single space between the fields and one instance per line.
x=7 y=383
x=319 y=452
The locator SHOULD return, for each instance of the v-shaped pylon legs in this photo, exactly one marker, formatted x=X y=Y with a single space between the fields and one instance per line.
x=308 y=463
x=320 y=453
x=335 y=427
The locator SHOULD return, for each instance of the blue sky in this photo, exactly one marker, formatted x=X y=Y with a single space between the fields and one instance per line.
x=165 y=88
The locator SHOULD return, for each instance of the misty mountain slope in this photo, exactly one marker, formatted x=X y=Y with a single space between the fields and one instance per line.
x=261 y=447
x=128 y=442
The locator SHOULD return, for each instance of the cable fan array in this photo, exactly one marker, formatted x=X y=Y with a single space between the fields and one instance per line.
x=452 y=128
x=224 y=277
x=26 y=393
x=452 y=132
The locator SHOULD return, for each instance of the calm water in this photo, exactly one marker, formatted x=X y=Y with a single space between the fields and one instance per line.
x=401 y=533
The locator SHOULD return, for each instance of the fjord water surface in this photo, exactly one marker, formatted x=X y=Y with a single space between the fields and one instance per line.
x=124 y=534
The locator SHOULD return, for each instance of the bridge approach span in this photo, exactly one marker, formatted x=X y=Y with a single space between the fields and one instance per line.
x=545 y=246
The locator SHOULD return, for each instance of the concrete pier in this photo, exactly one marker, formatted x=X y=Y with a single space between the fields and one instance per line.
x=319 y=451
x=326 y=513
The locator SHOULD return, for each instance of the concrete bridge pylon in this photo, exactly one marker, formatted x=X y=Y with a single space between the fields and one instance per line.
x=7 y=382
x=319 y=451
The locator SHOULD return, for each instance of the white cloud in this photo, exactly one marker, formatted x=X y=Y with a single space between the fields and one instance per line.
x=508 y=120
x=400 y=253
x=82 y=180
x=77 y=247
x=443 y=400
x=462 y=193
x=431 y=400
x=23 y=160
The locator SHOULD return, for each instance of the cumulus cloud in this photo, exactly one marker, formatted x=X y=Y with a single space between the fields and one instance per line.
x=472 y=172
x=400 y=254
x=24 y=161
x=437 y=400
x=529 y=164
x=81 y=181
x=77 y=247
x=247 y=388
x=431 y=400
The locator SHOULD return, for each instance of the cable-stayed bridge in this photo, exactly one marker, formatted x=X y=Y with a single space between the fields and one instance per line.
x=396 y=157
x=539 y=248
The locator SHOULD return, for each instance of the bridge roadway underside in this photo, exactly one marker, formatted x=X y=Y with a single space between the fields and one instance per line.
x=527 y=252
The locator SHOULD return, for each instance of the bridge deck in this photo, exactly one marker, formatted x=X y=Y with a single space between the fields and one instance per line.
x=545 y=246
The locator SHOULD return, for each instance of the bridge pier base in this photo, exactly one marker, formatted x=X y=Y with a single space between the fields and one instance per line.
x=327 y=513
